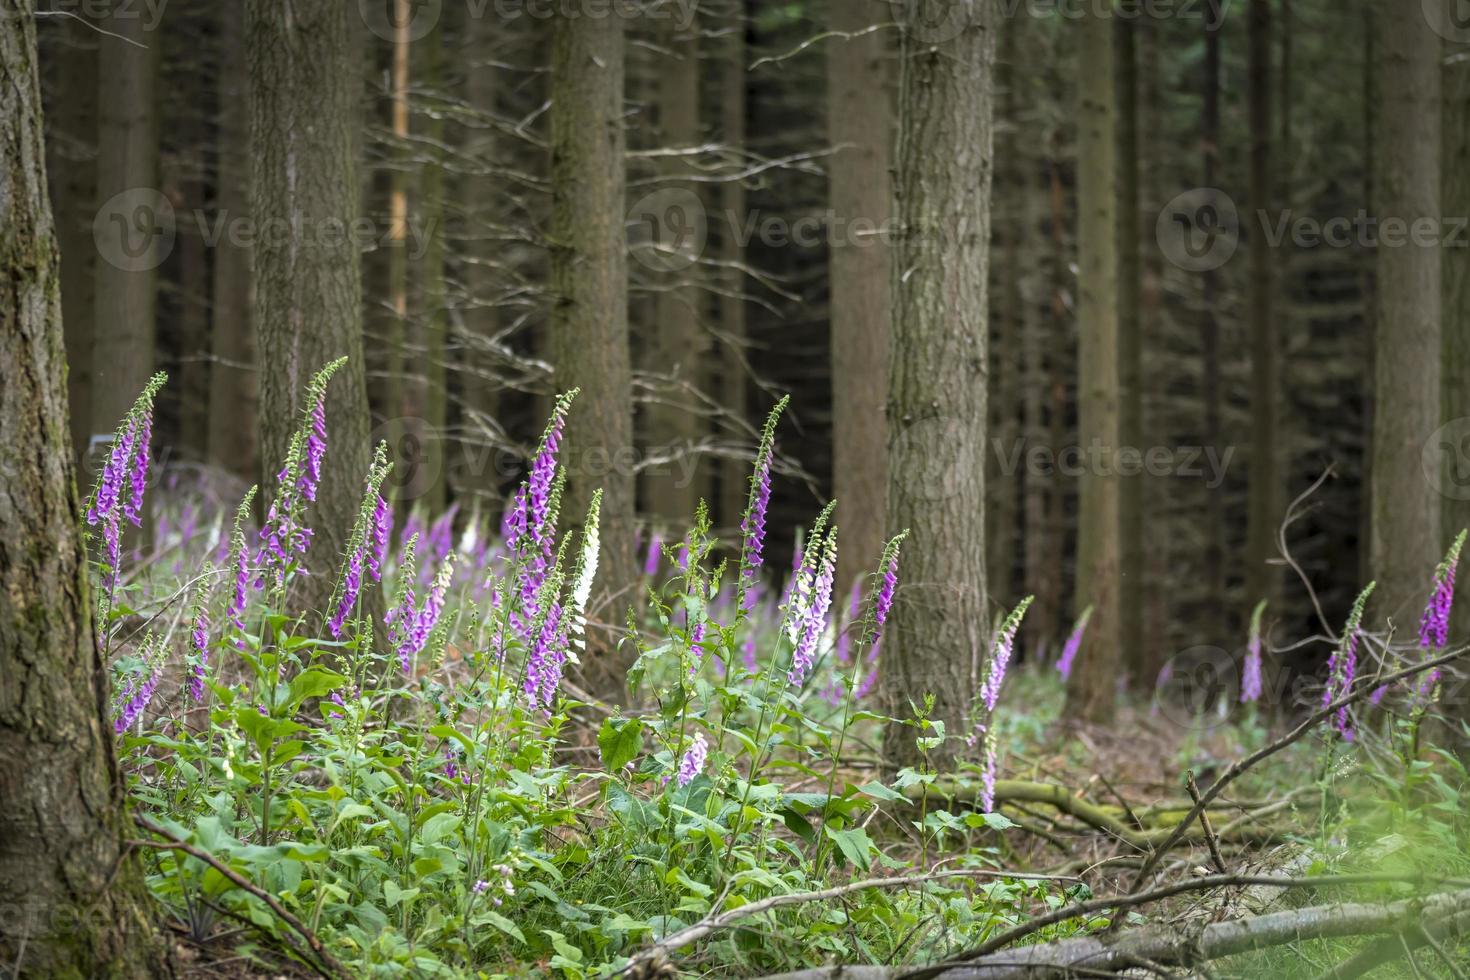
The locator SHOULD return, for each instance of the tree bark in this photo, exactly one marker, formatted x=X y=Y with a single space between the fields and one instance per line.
x=1405 y=540
x=1130 y=360
x=859 y=127
x=1214 y=503
x=71 y=149
x=676 y=423
x=734 y=473
x=76 y=905
x=303 y=114
x=131 y=219
x=938 y=633
x=1091 y=688
x=1455 y=476
x=589 y=284
x=1263 y=503
x=234 y=398
x=433 y=488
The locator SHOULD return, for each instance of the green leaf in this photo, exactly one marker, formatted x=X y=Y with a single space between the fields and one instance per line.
x=620 y=740
x=500 y=922
x=880 y=792
x=439 y=826
x=995 y=821
x=313 y=683
x=854 y=845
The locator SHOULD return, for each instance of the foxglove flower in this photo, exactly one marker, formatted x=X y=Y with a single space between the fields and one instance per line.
x=815 y=621
x=753 y=523
x=583 y=576
x=693 y=762
x=1250 y=674
x=361 y=543
x=1342 y=666
x=1074 y=643
x=199 y=639
x=650 y=558
x=126 y=468
x=1000 y=654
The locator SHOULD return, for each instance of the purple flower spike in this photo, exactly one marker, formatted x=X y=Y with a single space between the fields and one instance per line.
x=693 y=762
x=199 y=638
x=650 y=559
x=1250 y=673
x=138 y=476
x=1074 y=643
x=382 y=529
x=316 y=449
x=816 y=613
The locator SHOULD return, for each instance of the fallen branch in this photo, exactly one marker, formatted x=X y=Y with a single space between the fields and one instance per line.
x=329 y=967
x=1411 y=936
x=723 y=920
x=1239 y=767
x=1169 y=945
x=1204 y=824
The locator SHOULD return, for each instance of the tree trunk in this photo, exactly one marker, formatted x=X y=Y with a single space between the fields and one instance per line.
x=1263 y=506
x=303 y=113
x=1455 y=477
x=676 y=422
x=71 y=161
x=937 y=637
x=132 y=225
x=234 y=399
x=1214 y=503
x=1001 y=481
x=434 y=297
x=76 y=902
x=1130 y=360
x=1405 y=540
x=1091 y=689
x=589 y=284
x=859 y=120
x=734 y=473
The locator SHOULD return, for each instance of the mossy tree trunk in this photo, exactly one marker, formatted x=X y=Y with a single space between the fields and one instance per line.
x=939 y=630
x=74 y=900
x=1456 y=381
x=308 y=300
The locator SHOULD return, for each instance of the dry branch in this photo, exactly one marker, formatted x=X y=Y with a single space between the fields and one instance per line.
x=1172 y=946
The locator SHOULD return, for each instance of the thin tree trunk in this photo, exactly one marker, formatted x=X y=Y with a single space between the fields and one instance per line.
x=860 y=121
x=234 y=399
x=1455 y=478
x=432 y=486
x=1001 y=481
x=76 y=902
x=303 y=114
x=1214 y=504
x=1264 y=496
x=676 y=423
x=589 y=282
x=132 y=236
x=71 y=161
x=733 y=472
x=1130 y=359
x=1091 y=688
x=1405 y=543
x=936 y=640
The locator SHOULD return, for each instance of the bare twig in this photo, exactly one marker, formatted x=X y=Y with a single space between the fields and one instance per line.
x=1204 y=822
x=329 y=966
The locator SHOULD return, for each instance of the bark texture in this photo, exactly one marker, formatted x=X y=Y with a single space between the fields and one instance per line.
x=132 y=222
x=1091 y=689
x=938 y=374
x=734 y=472
x=1130 y=359
x=859 y=126
x=303 y=111
x=74 y=903
x=1405 y=539
x=589 y=282
x=1455 y=451
x=234 y=397
x=1263 y=510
